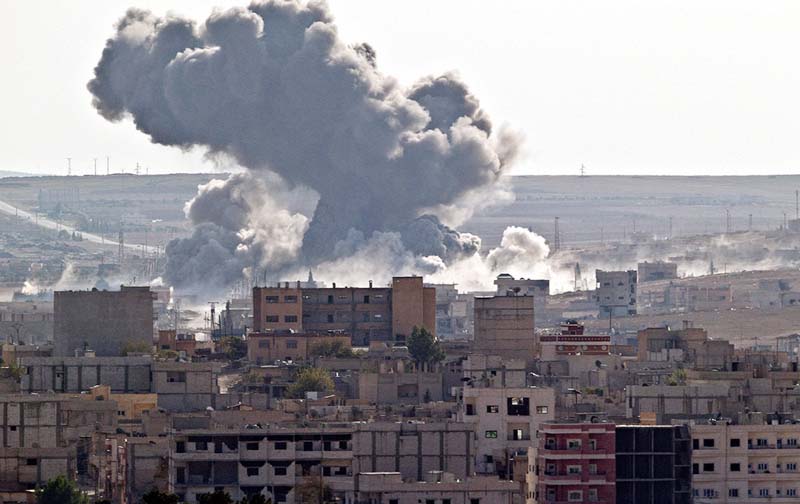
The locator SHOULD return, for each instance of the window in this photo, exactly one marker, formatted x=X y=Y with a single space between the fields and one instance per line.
x=31 y=461
x=736 y=443
x=791 y=492
x=343 y=445
x=763 y=492
x=518 y=406
x=366 y=299
x=541 y=410
x=394 y=501
x=180 y=447
x=736 y=467
x=492 y=408
x=13 y=428
x=430 y=501
x=289 y=299
x=708 y=467
x=733 y=492
x=791 y=467
x=470 y=409
x=252 y=446
x=592 y=468
x=280 y=445
x=695 y=444
x=280 y=471
x=575 y=496
x=272 y=319
x=573 y=444
x=176 y=376
x=263 y=344
x=252 y=471
x=291 y=344
x=761 y=442
x=201 y=445
x=330 y=299
x=491 y=434
x=308 y=446
x=709 y=493
x=708 y=443
x=272 y=299
x=290 y=318
x=791 y=442
x=574 y=469
x=475 y=501
x=330 y=318
x=445 y=501
x=517 y=435
x=592 y=444
x=592 y=495
x=695 y=468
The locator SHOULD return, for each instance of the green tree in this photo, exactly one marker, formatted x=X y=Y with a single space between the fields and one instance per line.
x=60 y=491
x=218 y=497
x=136 y=347
x=310 y=380
x=233 y=347
x=156 y=497
x=424 y=347
x=336 y=348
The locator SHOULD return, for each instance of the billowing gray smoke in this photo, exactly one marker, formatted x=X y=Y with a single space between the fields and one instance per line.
x=274 y=88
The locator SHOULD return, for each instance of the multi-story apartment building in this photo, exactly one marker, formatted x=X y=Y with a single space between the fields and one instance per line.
x=653 y=464
x=505 y=413
x=572 y=462
x=365 y=313
x=437 y=487
x=267 y=347
x=746 y=463
x=616 y=292
x=271 y=460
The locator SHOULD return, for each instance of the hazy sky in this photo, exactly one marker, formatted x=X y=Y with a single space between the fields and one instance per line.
x=625 y=87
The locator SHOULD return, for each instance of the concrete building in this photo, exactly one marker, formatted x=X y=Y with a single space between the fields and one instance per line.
x=615 y=293
x=268 y=460
x=79 y=374
x=108 y=322
x=267 y=347
x=506 y=415
x=365 y=313
x=504 y=326
x=26 y=322
x=653 y=271
x=573 y=462
x=507 y=285
x=437 y=487
x=412 y=449
x=679 y=401
x=400 y=382
x=653 y=464
x=186 y=386
x=746 y=463
x=689 y=344
x=453 y=313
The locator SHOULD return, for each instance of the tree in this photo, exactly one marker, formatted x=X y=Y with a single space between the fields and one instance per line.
x=218 y=497
x=335 y=348
x=313 y=490
x=233 y=347
x=424 y=347
x=310 y=380
x=136 y=347
x=255 y=499
x=156 y=497
x=60 y=491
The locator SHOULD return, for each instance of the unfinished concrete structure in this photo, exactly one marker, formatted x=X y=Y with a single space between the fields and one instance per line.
x=653 y=271
x=366 y=313
x=615 y=293
x=108 y=322
x=437 y=486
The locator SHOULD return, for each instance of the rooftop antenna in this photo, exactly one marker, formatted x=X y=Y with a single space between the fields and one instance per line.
x=577 y=276
x=557 y=237
x=69 y=166
x=137 y=168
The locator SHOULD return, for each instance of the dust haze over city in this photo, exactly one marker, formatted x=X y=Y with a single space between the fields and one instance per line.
x=492 y=231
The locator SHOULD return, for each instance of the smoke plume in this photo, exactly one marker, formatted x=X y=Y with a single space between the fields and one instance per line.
x=335 y=150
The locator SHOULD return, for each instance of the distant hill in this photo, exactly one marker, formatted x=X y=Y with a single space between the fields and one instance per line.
x=6 y=174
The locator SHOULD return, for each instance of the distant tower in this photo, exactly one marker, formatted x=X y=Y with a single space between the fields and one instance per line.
x=137 y=168
x=670 y=227
x=108 y=166
x=556 y=237
x=577 y=277
x=583 y=170
x=711 y=269
x=69 y=166
x=121 y=245
x=310 y=278
x=727 y=221
x=750 y=222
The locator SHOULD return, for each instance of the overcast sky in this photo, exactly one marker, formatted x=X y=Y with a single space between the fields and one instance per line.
x=624 y=87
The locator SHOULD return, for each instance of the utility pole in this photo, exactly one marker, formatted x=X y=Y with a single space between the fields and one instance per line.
x=557 y=237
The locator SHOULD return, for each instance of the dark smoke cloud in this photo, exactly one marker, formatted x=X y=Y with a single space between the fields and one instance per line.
x=273 y=87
